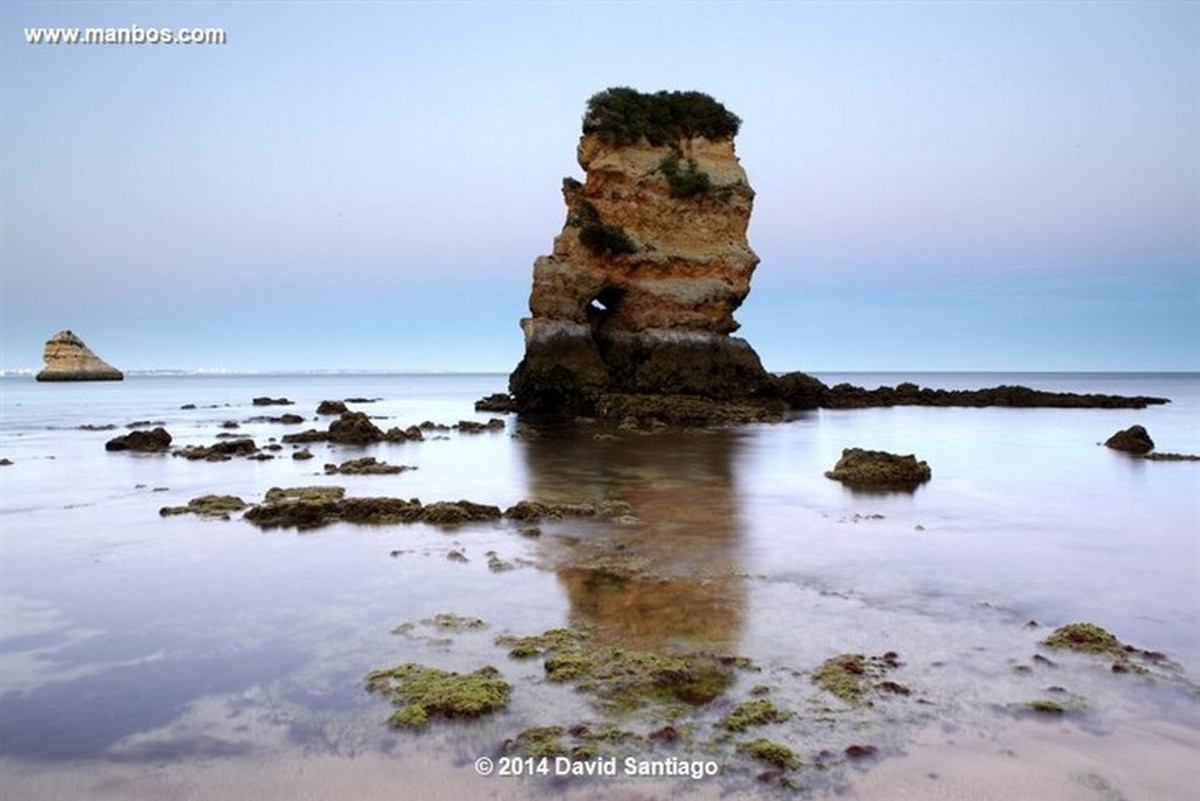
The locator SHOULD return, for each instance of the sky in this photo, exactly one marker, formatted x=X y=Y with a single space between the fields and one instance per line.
x=963 y=186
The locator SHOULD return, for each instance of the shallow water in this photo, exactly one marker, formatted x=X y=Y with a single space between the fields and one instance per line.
x=143 y=656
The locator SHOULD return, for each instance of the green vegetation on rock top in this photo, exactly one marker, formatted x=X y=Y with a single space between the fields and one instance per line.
x=624 y=116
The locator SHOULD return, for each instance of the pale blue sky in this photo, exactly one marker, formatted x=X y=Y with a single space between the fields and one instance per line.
x=940 y=186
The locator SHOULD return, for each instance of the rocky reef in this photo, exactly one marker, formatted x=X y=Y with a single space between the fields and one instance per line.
x=66 y=358
x=638 y=294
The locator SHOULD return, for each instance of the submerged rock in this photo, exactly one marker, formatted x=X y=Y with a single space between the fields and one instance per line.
x=66 y=358
x=879 y=470
x=1134 y=439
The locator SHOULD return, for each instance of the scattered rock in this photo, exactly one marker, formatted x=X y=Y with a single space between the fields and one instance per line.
x=354 y=428
x=286 y=419
x=66 y=358
x=154 y=441
x=6 y=462
x=1134 y=439
x=473 y=427
x=852 y=677
x=266 y=401
x=498 y=402
x=302 y=455
x=207 y=506
x=220 y=451
x=332 y=407
x=1171 y=457
x=367 y=465
x=865 y=469
x=857 y=751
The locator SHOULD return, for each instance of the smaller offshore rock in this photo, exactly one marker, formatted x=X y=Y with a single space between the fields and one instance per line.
x=156 y=440
x=332 y=407
x=286 y=419
x=368 y=465
x=66 y=358
x=220 y=451
x=497 y=402
x=1134 y=439
x=266 y=401
x=475 y=427
x=863 y=469
x=218 y=506
x=355 y=428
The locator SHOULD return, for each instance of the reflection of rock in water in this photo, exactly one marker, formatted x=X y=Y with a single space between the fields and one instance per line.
x=674 y=578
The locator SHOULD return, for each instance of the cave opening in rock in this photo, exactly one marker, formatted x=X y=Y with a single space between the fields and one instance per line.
x=603 y=305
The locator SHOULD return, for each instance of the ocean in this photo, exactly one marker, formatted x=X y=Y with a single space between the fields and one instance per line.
x=173 y=657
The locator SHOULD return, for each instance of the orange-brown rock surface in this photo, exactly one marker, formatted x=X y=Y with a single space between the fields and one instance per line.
x=66 y=358
x=638 y=293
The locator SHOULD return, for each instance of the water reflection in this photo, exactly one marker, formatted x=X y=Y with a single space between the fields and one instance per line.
x=671 y=578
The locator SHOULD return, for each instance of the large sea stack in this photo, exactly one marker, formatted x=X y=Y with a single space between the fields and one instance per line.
x=637 y=297
x=68 y=359
x=631 y=314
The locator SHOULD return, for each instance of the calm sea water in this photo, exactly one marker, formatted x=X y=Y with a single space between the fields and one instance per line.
x=135 y=648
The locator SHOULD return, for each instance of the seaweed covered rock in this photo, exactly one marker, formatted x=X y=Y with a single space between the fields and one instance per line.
x=863 y=469
x=1134 y=439
x=421 y=692
x=66 y=358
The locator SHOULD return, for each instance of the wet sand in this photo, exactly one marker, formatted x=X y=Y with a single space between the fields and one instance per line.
x=1031 y=761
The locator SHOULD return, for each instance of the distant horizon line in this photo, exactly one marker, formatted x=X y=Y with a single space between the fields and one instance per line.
x=23 y=372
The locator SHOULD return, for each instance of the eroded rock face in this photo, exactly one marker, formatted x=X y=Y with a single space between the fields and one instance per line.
x=638 y=294
x=66 y=358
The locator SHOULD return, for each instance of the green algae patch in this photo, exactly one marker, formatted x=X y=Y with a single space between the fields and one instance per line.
x=421 y=693
x=366 y=466
x=550 y=640
x=317 y=493
x=539 y=741
x=454 y=622
x=852 y=677
x=758 y=712
x=625 y=679
x=1086 y=638
x=218 y=506
x=1044 y=707
x=581 y=742
x=770 y=752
